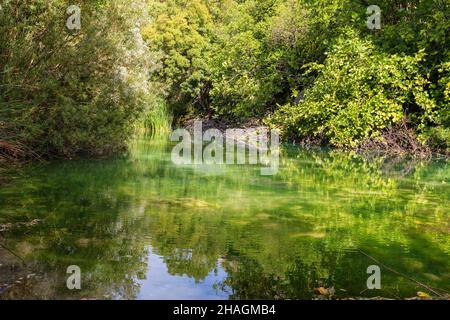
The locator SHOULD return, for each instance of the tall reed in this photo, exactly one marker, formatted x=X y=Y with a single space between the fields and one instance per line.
x=158 y=120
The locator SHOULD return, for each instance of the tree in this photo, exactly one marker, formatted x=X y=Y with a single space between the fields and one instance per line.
x=67 y=92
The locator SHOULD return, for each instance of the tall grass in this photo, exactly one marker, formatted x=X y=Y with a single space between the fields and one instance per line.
x=158 y=120
x=152 y=131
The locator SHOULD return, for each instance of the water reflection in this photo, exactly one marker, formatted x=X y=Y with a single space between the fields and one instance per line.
x=160 y=284
x=141 y=228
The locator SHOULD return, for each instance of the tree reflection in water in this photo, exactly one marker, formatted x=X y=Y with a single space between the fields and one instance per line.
x=141 y=228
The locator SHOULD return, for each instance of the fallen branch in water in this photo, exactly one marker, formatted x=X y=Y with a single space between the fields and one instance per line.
x=11 y=151
x=399 y=140
x=433 y=290
x=11 y=251
x=10 y=226
x=16 y=153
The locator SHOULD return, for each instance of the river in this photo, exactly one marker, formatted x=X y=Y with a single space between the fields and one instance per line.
x=140 y=227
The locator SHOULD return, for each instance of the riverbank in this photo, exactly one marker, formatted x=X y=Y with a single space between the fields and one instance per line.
x=397 y=142
x=400 y=140
x=11 y=155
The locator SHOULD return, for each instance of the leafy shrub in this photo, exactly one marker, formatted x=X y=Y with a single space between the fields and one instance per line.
x=438 y=138
x=70 y=92
x=357 y=92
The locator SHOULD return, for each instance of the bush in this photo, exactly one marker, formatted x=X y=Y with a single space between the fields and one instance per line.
x=72 y=92
x=438 y=138
x=357 y=93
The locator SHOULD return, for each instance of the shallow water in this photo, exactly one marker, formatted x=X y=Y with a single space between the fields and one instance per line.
x=140 y=227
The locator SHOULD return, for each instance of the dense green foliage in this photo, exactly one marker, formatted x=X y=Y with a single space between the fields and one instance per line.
x=239 y=59
x=312 y=69
x=67 y=92
x=357 y=92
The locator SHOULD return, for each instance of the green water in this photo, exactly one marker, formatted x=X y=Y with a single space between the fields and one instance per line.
x=140 y=227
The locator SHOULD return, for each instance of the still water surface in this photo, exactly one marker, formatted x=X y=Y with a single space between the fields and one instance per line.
x=140 y=227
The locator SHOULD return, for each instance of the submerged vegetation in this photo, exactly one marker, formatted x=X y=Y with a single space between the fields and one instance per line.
x=139 y=225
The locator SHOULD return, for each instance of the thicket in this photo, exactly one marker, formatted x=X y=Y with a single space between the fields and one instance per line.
x=312 y=69
x=69 y=92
